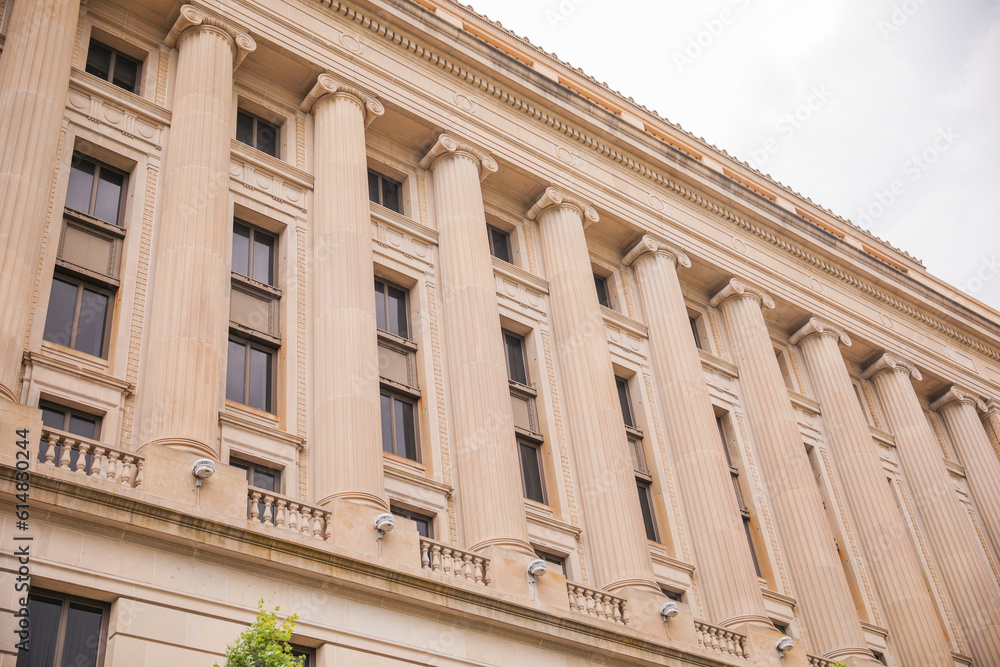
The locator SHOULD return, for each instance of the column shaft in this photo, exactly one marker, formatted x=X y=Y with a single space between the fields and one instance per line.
x=34 y=80
x=726 y=576
x=982 y=468
x=618 y=554
x=954 y=544
x=347 y=444
x=915 y=629
x=189 y=301
x=807 y=541
x=490 y=497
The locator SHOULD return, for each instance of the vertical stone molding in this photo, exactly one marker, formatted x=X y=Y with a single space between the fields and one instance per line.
x=180 y=391
x=347 y=444
x=726 y=577
x=490 y=499
x=968 y=578
x=34 y=81
x=806 y=538
x=958 y=408
x=618 y=553
x=915 y=629
x=991 y=421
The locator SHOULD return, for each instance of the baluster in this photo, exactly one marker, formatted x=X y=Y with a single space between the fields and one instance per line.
x=477 y=569
x=126 y=478
x=625 y=612
x=50 y=451
x=254 y=507
x=467 y=568
x=138 y=474
x=615 y=606
x=279 y=513
x=81 y=460
x=449 y=562
x=328 y=534
x=304 y=523
x=268 y=508
x=425 y=559
x=293 y=516
x=97 y=466
x=112 y=465
x=488 y=575
x=318 y=525
x=67 y=446
x=436 y=558
x=589 y=594
x=571 y=594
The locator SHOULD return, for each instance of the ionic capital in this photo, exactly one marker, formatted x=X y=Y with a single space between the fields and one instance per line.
x=818 y=326
x=891 y=362
x=329 y=83
x=193 y=17
x=992 y=407
x=650 y=247
x=737 y=288
x=956 y=394
x=557 y=198
x=447 y=143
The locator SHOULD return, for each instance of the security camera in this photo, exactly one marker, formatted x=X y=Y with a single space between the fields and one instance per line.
x=202 y=470
x=536 y=568
x=784 y=644
x=383 y=524
x=669 y=610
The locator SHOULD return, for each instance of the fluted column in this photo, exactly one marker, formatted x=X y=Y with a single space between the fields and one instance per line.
x=915 y=629
x=807 y=540
x=618 y=554
x=179 y=389
x=982 y=468
x=490 y=499
x=991 y=422
x=347 y=445
x=726 y=576
x=968 y=578
x=34 y=80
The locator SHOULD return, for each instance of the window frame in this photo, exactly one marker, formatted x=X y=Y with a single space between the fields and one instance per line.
x=82 y=284
x=396 y=394
x=508 y=246
x=115 y=54
x=523 y=347
x=741 y=504
x=552 y=559
x=644 y=489
x=536 y=445
x=416 y=517
x=602 y=285
x=255 y=231
x=386 y=285
x=68 y=414
x=255 y=129
x=238 y=336
x=65 y=601
x=250 y=467
x=381 y=179
x=306 y=652
x=99 y=166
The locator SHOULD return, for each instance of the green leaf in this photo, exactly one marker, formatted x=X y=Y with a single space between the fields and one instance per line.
x=264 y=643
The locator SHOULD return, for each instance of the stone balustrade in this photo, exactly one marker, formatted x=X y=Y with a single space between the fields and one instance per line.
x=815 y=661
x=598 y=604
x=724 y=641
x=272 y=509
x=65 y=451
x=449 y=561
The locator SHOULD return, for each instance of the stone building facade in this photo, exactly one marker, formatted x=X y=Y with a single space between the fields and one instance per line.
x=281 y=235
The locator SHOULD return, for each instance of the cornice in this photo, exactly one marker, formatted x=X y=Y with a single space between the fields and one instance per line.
x=818 y=326
x=329 y=83
x=192 y=16
x=738 y=288
x=648 y=246
x=557 y=197
x=386 y=33
x=447 y=143
x=891 y=362
x=956 y=394
x=45 y=360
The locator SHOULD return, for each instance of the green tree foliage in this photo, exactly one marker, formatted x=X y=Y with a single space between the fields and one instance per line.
x=265 y=643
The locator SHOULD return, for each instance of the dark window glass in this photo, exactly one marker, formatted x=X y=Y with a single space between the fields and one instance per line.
x=263 y=258
x=83 y=636
x=81 y=184
x=107 y=203
x=623 y=399
x=646 y=504
x=557 y=562
x=753 y=552
x=95 y=189
x=516 y=368
x=260 y=476
x=85 y=427
x=531 y=471
x=694 y=332
x=236 y=371
x=241 y=249
x=78 y=316
x=257 y=133
x=250 y=375
x=676 y=596
x=253 y=252
x=259 y=381
x=499 y=243
x=601 y=283
x=44 y=615
x=425 y=523
x=72 y=421
x=385 y=191
x=53 y=417
x=390 y=309
x=399 y=426
x=302 y=657
x=114 y=66
x=63 y=632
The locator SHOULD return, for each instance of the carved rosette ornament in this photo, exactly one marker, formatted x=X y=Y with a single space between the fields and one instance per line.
x=329 y=83
x=818 y=326
x=648 y=246
x=192 y=16
x=956 y=394
x=737 y=287
x=558 y=198
x=447 y=143
x=891 y=362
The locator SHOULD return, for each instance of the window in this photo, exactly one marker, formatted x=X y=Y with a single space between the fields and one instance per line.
x=95 y=189
x=112 y=65
x=250 y=374
x=499 y=243
x=646 y=505
x=780 y=627
x=676 y=596
x=425 y=523
x=695 y=332
x=259 y=476
x=64 y=630
x=517 y=370
x=643 y=480
x=734 y=474
x=399 y=425
x=69 y=420
x=384 y=191
x=391 y=309
x=603 y=295
x=531 y=470
x=880 y=657
x=79 y=315
x=257 y=133
x=557 y=562
x=625 y=401
x=303 y=656
x=253 y=253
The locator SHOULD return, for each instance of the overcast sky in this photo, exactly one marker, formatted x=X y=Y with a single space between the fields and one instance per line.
x=885 y=112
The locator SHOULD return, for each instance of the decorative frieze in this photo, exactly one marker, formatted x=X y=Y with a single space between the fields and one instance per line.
x=104 y=104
